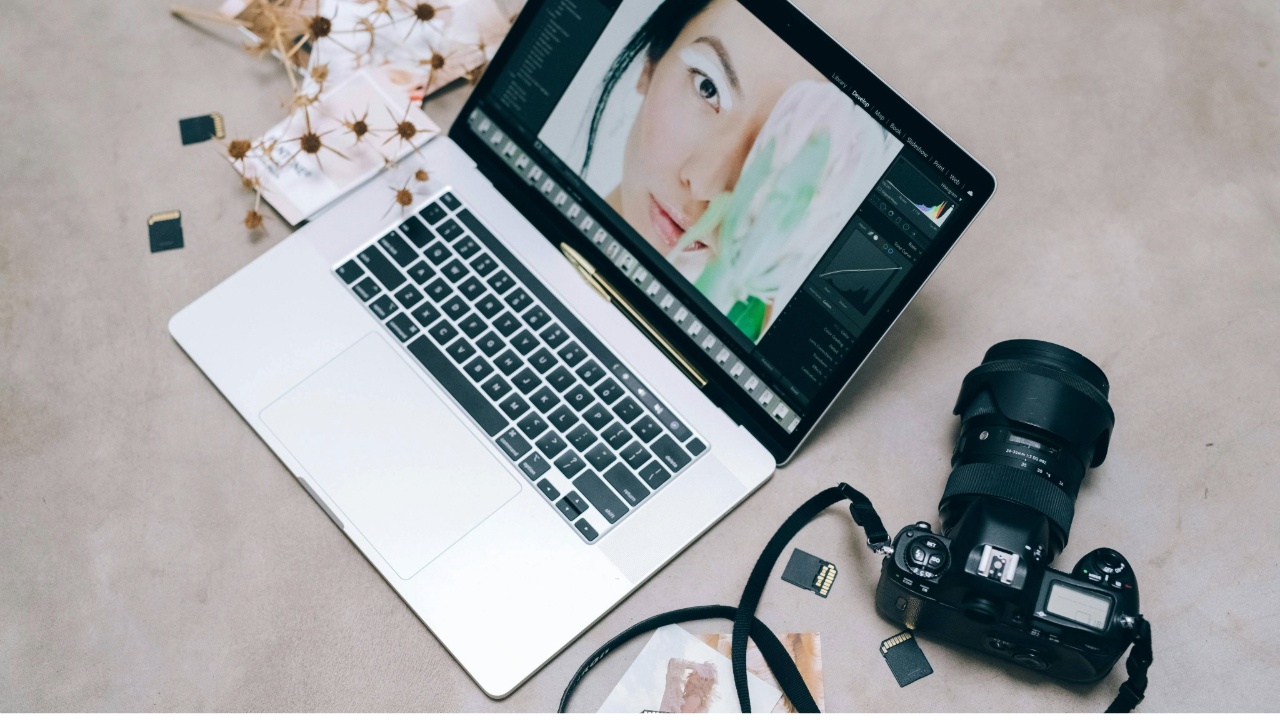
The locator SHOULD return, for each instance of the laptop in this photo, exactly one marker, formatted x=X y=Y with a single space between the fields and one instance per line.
x=658 y=241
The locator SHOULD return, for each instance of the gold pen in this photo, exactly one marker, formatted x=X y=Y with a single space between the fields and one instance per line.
x=608 y=292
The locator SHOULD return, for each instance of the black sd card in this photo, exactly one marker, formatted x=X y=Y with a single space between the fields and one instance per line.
x=809 y=572
x=165 y=230
x=905 y=658
x=198 y=129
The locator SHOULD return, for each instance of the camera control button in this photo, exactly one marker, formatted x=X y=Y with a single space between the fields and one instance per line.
x=935 y=561
x=918 y=555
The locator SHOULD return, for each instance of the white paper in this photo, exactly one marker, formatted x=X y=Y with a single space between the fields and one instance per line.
x=299 y=185
x=642 y=687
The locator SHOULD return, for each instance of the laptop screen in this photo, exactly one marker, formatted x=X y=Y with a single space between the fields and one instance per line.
x=776 y=210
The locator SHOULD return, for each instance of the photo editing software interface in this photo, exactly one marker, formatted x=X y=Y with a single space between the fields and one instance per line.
x=701 y=154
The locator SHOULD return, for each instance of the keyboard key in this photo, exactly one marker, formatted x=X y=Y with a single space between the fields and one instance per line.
x=626 y=484
x=635 y=454
x=450 y=201
x=416 y=231
x=590 y=372
x=506 y=324
x=425 y=314
x=513 y=445
x=608 y=391
x=563 y=418
x=532 y=426
x=579 y=397
x=421 y=272
x=455 y=271
x=551 y=444
x=526 y=381
x=597 y=417
x=543 y=360
x=366 y=289
x=695 y=447
x=514 y=406
x=472 y=325
x=675 y=427
x=560 y=378
x=350 y=271
x=471 y=287
x=535 y=466
x=438 y=253
x=443 y=332
x=478 y=368
x=585 y=528
x=450 y=230
x=495 y=387
x=567 y=509
x=628 y=410
x=581 y=437
x=438 y=290
x=572 y=354
x=544 y=399
x=654 y=474
x=489 y=306
x=647 y=429
x=670 y=452
x=457 y=385
x=490 y=344
x=383 y=307
x=455 y=307
x=553 y=336
x=460 y=351
x=403 y=327
x=616 y=435
x=524 y=343
x=508 y=362
x=519 y=300
x=593 y=488
x=378 y=264
x=548 y=489
x=483 y=265
x=408 y=296
x=466 y=247
x=600 y=458
x=398 y=249
x=570 y=464
x=537 y=317
x=433 y=213
x=501 y=282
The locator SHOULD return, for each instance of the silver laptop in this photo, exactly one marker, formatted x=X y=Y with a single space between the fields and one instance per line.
x=657 y=243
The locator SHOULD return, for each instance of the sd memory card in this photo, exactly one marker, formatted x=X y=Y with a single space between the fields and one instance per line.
x=905 y=659
x=809 y=572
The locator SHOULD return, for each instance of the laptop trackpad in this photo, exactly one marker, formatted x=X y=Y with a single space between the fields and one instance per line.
x=390 y=454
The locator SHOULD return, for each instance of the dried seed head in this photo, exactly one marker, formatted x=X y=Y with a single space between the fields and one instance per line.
x=424 y=12
x=421 y=176
x=404 y=197
x=248 y=182
x=253 y=220
x=310 y=143
x=406 y=130
x=319 y=26
x=437 y=61
x=238 y=149
x=359 y=128
x=320 y=73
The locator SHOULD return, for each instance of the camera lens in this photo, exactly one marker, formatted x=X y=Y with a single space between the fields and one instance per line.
x=1034 y=417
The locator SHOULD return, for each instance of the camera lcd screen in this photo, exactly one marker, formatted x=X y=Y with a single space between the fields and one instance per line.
x=1076 y=605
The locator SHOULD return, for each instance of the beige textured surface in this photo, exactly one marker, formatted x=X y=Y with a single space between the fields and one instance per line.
x=155 y=555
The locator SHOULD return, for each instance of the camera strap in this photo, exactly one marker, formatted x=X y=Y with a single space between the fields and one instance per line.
x=747 y=625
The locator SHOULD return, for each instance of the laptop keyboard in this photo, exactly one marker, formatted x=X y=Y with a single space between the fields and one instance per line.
x=591 y=437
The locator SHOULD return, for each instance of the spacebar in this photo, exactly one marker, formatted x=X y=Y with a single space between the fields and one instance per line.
x=458 y=386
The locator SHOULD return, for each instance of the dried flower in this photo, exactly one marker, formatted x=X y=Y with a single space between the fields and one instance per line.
x=423 y=13
x=238 y=150
x=357 y=126
x=253 y=220
x=421 y=176
x=405 y=129
x=320 y=73
x=404 y=198
x=312 y=143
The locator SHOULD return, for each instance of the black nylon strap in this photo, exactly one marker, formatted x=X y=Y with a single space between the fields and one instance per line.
x=1140 y=657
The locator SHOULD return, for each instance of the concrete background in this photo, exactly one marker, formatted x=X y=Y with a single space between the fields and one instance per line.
x=155 y=555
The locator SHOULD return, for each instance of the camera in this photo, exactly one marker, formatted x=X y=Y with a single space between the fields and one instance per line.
x=1034 y=417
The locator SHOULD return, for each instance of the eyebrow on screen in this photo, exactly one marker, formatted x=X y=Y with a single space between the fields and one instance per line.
x=718 y=47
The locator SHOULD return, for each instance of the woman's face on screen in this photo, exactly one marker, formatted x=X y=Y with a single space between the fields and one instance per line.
x=704 y=103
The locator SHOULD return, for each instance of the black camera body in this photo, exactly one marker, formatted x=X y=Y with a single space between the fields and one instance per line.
x=1034 y=416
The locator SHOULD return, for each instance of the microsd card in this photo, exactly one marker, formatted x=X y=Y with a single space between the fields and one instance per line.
x=905 y=658
x=809 y=572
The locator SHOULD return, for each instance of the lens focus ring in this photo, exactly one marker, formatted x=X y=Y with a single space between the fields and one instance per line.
x=1016 y=485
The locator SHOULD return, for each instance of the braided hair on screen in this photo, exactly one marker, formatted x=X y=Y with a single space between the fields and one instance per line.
x=656 y=37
